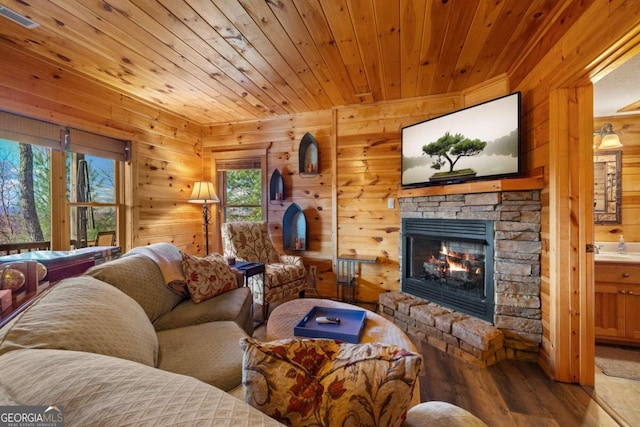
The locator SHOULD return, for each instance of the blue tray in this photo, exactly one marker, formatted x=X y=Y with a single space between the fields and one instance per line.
x=348 y=330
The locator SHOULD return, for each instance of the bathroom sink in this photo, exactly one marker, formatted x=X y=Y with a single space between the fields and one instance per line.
x=616 y=257
x=608 y=251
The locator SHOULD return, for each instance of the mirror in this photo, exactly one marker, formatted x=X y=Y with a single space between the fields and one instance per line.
x=607 y=168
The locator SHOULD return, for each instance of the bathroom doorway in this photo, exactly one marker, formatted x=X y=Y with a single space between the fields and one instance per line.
x=617 y=367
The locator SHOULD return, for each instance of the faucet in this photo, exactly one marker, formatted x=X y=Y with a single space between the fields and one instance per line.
x=596 y=249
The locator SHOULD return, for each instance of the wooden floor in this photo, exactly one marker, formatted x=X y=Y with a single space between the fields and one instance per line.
x=511 y=393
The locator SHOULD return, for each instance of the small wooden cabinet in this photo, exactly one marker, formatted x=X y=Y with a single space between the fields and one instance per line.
x=617 y=303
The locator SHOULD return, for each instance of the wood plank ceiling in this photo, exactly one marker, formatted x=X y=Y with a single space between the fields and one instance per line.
x=229 y=60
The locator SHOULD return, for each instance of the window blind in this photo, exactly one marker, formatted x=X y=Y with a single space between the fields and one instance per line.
x=97 y=145
x=233 y=164
x=29 y=131
x=18 y=128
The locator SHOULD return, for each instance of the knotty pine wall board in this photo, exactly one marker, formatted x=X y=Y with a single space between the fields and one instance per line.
x=166 y=146
x=281 y=138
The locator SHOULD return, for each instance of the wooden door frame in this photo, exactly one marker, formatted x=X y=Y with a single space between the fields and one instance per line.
x=570 y=204
x=571 y=228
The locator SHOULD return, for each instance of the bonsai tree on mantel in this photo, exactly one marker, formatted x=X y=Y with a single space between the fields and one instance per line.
x=449 y=149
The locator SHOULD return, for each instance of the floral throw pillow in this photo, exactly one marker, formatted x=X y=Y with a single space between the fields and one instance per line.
x=207 y=277
x=323 y=382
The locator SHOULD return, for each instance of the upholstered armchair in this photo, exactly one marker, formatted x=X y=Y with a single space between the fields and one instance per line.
x=285 y=275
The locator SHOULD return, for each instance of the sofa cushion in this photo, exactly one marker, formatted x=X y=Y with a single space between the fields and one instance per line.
x=234 y=305
x=169 y=259
x=84 y=314
x=104 y=391
x=323 y=382
x=207 y=277
x=139 y=277
x=209 y=352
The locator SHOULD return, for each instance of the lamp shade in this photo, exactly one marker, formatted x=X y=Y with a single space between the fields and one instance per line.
x=609 y=142
x=203 y=192
x=609 y=139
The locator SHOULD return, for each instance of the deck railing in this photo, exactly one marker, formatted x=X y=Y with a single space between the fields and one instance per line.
x=18 y=248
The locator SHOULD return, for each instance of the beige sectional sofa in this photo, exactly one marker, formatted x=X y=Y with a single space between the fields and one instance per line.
x=118 y=347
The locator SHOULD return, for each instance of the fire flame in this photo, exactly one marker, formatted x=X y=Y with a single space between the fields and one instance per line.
x=452 y=258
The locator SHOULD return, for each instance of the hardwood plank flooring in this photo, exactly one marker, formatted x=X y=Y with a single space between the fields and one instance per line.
x=511 y=393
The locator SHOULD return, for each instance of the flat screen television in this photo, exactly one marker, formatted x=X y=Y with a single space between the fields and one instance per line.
x=476 y=143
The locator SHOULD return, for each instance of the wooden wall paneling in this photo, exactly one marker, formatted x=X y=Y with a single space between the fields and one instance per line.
x=368 y=162
x=578 y=50
x=490 y=89
x=368 y=172
x=158 y=139
x=164 y=182
x=285 y=125
x=281 y=136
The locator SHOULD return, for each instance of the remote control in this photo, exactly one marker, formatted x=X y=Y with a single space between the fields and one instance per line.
x=325 y=319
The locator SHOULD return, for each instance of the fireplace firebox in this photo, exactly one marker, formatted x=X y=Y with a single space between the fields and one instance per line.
x=450 y=262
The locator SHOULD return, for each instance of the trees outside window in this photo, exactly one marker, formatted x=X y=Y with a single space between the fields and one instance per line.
x=25 y=194
x=25 y=212
x=91 y=197
x=242 y=198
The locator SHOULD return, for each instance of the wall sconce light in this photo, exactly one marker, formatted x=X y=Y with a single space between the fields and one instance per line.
x=204 y=193
x=608 y=139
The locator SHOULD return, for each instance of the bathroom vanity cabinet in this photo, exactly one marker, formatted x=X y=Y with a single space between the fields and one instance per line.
x=617 y=303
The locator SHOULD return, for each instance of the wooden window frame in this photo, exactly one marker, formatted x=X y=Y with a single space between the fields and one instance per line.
x=220 y=157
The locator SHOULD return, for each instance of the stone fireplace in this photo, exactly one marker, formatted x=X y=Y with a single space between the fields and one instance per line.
x=511 y=251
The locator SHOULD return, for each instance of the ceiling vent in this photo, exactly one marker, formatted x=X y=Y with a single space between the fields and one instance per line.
x=17 y=18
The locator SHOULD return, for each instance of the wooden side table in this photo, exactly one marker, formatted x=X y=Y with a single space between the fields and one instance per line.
x=347 y=267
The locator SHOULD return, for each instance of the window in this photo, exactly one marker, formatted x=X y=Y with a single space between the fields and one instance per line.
x=25 y=211
x=240 y=183
x=32 y=205
x=91 y=197
x=242 y=195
